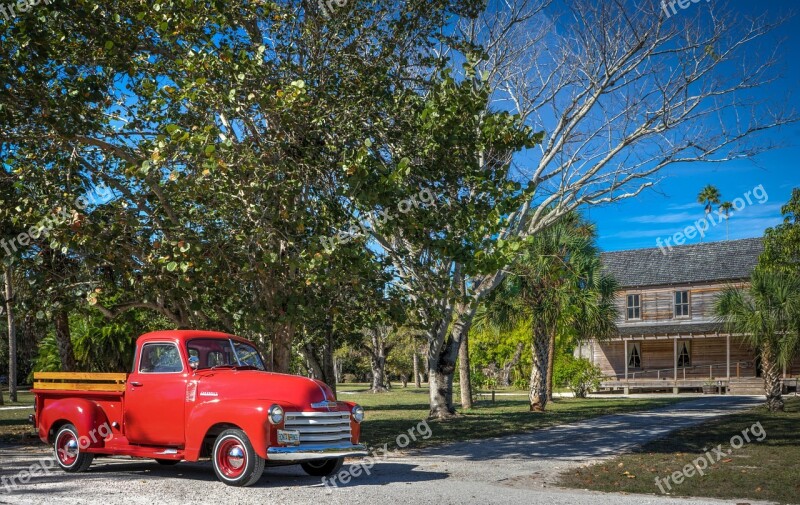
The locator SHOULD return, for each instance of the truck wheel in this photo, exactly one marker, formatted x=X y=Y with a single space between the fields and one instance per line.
x=323 y=467
x=67 y=450
x=235 y=461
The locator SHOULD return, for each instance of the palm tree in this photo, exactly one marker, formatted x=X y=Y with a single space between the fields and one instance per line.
x=555 y=283
x=726 y=208
x=708 y=196
x=768 y=314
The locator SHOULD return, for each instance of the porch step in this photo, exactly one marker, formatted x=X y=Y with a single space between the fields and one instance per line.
x=746 y=388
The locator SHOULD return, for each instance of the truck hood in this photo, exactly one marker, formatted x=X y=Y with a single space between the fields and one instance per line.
x=285 y=390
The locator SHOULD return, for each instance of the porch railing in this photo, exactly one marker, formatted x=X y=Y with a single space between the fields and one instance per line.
x=668 y=373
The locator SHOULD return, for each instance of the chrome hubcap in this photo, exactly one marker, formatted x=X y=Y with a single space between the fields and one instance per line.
x=236 y=457
x=71 y=447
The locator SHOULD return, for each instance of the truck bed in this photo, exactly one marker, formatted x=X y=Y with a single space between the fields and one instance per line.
x=79 y=381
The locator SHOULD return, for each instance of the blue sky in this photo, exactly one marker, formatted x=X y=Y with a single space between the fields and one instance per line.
x=672 y=205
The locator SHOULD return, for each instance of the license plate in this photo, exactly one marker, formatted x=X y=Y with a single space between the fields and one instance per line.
x=288 y=437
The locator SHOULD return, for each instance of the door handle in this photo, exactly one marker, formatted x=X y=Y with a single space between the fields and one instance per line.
x=135 y=384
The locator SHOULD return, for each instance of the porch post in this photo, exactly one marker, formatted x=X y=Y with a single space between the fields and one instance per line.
x=728 y=356
x=626 y=357
x=675 y=363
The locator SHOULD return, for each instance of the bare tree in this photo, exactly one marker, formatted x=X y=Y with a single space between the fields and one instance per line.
x=621 y=91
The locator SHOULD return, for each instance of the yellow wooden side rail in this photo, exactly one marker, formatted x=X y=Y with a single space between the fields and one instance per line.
x=79 y=381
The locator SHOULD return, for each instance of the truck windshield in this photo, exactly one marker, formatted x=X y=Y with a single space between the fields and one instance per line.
x=217 y=352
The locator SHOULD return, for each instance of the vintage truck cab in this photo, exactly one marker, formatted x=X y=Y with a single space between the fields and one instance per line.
x=197 y=394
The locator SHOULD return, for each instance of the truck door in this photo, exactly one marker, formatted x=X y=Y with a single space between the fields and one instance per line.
x=155 y=396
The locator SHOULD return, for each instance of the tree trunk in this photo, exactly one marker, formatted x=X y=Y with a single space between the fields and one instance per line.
x=282 y=348
x=417 y=381
x=772 y=378
x=551 y=354
x=505 y=373
x=64 y=341
x=378 y=366
x=337 y=370
x=313 y=364
x=538 y=386
x=378 y=351
x=440 y=385
x=328 y=372
x=442 y=365
x=12 y=337
x=319 y=364
x=466 y=383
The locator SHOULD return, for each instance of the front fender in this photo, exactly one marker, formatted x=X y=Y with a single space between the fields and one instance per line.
x=87 y=417
x=355 y=428
x=249 y=415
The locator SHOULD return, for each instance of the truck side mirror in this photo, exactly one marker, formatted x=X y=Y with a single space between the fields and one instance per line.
x=194 y=362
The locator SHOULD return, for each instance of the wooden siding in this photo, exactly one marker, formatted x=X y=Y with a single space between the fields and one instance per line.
x=658 y=304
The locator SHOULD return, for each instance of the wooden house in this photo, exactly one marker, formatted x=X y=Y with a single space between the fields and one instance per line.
x=668 y=338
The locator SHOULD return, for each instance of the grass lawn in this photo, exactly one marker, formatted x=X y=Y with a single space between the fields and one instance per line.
x=765 y=470
x=390 y=414
x=14 y=423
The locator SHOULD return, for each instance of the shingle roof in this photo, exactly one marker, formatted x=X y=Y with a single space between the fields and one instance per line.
x=690 y=264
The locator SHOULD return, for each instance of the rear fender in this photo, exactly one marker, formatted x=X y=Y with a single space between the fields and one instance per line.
x=86 y=415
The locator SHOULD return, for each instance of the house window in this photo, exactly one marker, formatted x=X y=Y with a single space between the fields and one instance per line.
x=684 y=354
x=634 y=355
x=634 y=307
x=681 y=304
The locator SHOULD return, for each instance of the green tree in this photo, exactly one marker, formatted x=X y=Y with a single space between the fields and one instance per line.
x=228 y=161
x=768 y=315
x=782 y=243
x=557 y=282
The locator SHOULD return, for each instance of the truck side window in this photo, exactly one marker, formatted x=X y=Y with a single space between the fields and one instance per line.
x=160 y=358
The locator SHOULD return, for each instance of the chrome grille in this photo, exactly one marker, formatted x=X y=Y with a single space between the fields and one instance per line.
x=319 y=427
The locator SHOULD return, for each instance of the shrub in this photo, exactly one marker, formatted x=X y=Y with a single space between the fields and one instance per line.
x=578 y=374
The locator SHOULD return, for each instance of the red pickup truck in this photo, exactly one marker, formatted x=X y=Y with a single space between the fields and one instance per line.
x=197 y=394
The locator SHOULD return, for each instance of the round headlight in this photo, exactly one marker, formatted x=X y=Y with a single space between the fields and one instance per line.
x=358 y=413
x=275 y=414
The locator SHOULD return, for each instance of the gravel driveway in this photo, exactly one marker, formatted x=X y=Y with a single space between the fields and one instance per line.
x=515 y=469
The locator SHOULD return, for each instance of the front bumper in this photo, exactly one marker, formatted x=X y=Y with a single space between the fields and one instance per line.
x=309 y=452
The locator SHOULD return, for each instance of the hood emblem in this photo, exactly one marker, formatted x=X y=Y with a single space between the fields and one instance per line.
x=324 y=405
